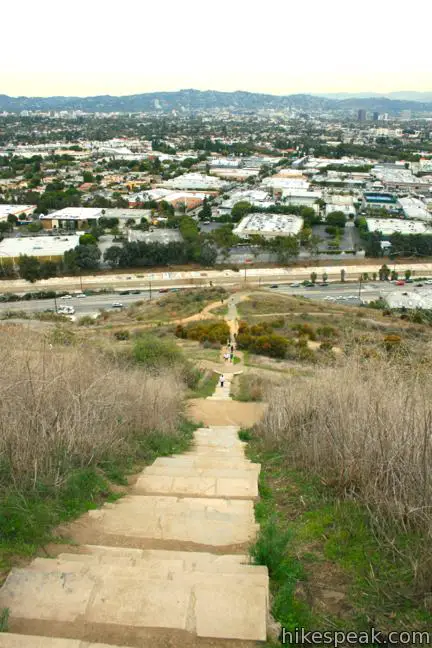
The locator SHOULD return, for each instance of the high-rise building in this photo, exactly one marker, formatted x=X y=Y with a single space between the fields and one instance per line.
x=361 y=115
x=376 y=116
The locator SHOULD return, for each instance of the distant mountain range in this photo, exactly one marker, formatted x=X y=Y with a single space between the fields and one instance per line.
x=406 y=95
x=184 y=101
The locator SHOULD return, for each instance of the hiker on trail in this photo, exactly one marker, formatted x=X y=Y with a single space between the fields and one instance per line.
x=232 y=348
x=232 y=356
x=222 y=380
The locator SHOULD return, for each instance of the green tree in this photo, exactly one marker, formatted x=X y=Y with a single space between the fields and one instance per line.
x=87 y=257
x=87 y=239
x=240 y=210
x=88 y=177
x=324 y=277
x=29 y=268
x=408 y=274
x=205 y=213
x=12 y=219
x=336 y=218
x=384 y=273
x=342 y=274
x=285 y=247
x=112 y=256
x=314 y=277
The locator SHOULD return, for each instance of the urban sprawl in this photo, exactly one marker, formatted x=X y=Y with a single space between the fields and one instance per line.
x=82 y=192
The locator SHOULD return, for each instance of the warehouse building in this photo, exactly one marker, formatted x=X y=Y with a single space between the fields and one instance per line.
x=377 y=200
x=269 y=225
x=388 y=226
x=21 y=212
x=415 y=209
x=71 y=218
x=195 y=181
x=45 y=248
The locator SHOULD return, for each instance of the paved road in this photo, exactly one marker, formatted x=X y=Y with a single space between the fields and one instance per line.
x=351 y=294
x=88 y=306
x=344 y=293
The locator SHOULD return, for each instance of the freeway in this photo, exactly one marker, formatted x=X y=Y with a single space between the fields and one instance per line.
x=343 y=293
x=90 y=305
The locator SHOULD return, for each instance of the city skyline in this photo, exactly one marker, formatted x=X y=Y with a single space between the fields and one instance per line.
x=279 y=50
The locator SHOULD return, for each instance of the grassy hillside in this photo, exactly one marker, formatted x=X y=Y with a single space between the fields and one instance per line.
x=75 y=418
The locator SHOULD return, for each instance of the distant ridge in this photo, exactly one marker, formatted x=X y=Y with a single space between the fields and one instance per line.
x=195 y=100
x=402 y=95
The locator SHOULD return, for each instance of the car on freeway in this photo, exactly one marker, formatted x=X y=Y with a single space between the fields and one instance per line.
x=274 y=286
x=308 y=284
x=328 y=298
x=117 y=305
x=399 y=282
x=66 y=297
x=405 y=294
x=324 y=283
x=420 y=285
x=163 y=290
x=428 y=282
x=80 y=296
x=135 y=292
x=66 y=310
x=295 y=285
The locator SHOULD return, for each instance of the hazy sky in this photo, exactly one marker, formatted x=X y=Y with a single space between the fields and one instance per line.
x=89 y=47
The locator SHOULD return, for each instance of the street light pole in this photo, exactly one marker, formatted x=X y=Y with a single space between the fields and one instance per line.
x=150 y=290
x=360 y=286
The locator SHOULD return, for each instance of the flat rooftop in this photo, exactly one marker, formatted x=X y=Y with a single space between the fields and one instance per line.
x=391 y=225
x=415 y=208
x=269 y=225
x=74 y=214
x=39 y=246
x=16 y=210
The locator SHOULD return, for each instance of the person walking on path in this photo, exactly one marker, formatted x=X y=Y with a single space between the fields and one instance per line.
x=222 y=380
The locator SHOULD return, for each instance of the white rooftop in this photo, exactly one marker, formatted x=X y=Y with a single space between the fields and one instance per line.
x=16 y=210
x=415 y=208
x=40 y=246
x=195 y=181
x=391 y=225
x=269 y=225
x=74 y=213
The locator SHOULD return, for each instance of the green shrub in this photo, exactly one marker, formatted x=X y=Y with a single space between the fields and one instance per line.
x=153 y=353
x=86 y=320
x=327 y=332
x=217 y=331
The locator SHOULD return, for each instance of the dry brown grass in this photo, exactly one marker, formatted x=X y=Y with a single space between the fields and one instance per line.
x=365 y=428
x=68 y=406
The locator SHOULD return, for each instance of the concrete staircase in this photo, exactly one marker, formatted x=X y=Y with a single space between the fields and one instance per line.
x=173 y=559
x=224 y=393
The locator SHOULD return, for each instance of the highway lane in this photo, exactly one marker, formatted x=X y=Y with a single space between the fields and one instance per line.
x=344 y=293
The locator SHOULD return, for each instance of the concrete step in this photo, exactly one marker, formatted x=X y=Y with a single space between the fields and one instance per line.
x=202 y=463
x=174 y=470
x=198 y=485
x=231 y=606
x=213 y=522
x=183 y=561
x=8 y=640
x=169 y=571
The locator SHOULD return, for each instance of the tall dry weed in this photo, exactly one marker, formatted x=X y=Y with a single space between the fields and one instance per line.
x=365 y=428
x=69 y=406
